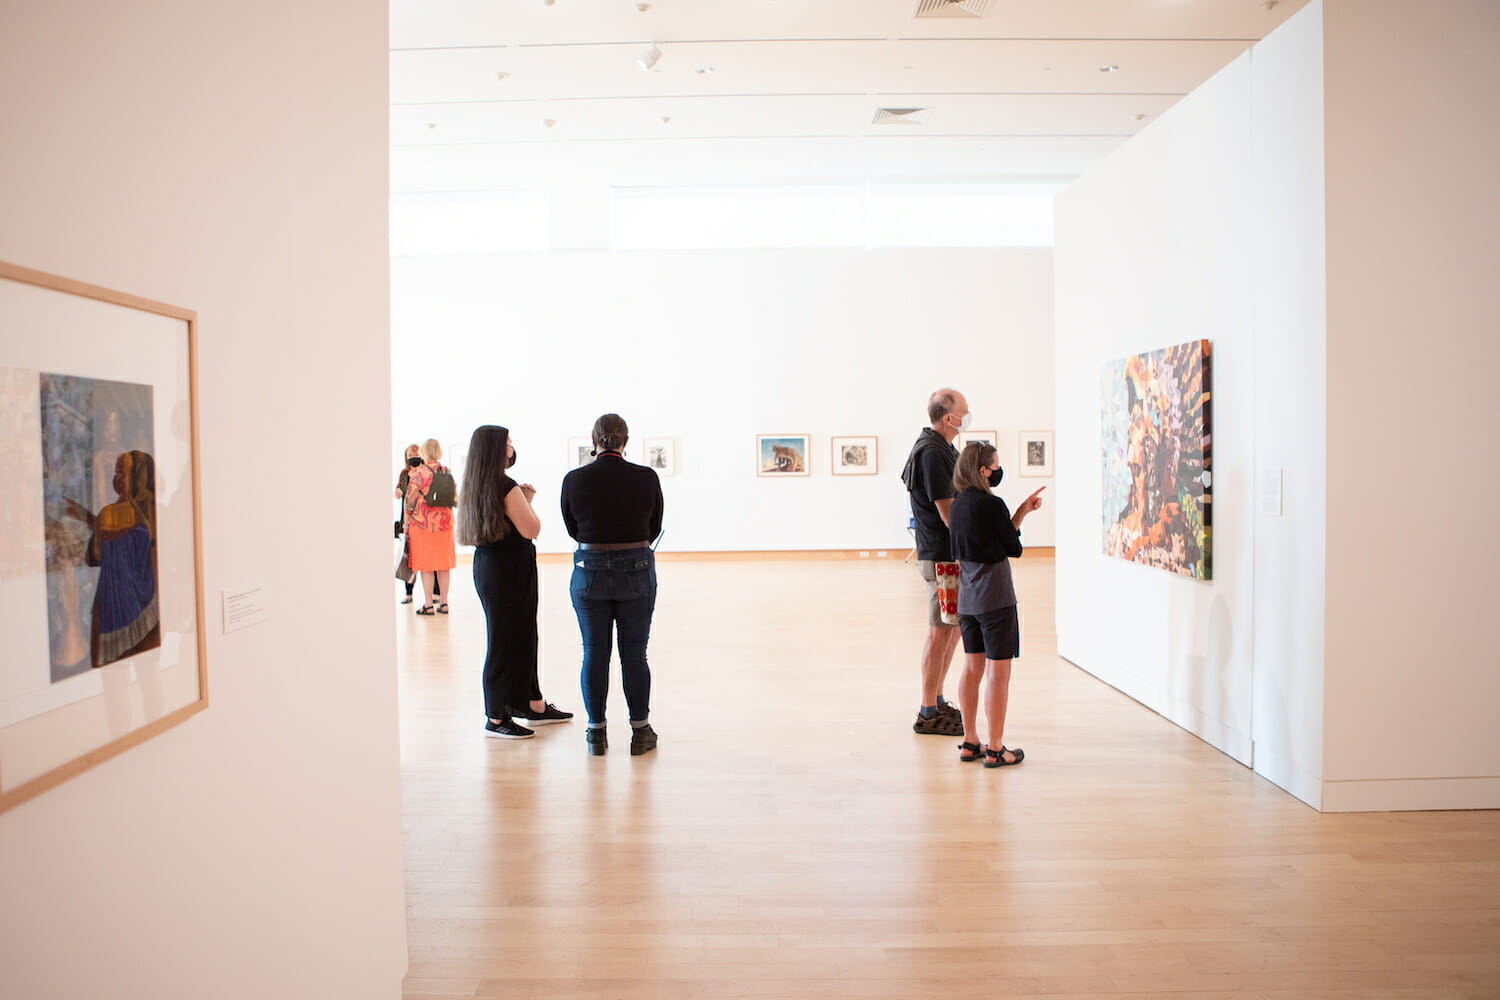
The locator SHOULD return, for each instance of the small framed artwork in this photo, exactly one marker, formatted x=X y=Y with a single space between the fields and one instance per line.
x=854 y=456
x=660 y=454
x=988 y=437
x=100 y=544
x=1036 y=453
x=580 y=452
x=781 y=455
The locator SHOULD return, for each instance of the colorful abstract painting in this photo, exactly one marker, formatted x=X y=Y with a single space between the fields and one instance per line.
x=1158 y=477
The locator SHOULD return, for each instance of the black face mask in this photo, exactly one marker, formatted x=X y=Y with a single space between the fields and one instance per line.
x=512 y=460
x=413 y=462
x=995 y=477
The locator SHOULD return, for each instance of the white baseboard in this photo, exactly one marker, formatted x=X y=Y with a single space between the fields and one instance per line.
x=1411 y=794
x=1286 y=776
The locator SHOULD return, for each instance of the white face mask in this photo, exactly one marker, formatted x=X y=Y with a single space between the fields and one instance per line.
x=963 y=422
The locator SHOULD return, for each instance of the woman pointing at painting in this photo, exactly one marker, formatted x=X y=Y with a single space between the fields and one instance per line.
x=985 y=536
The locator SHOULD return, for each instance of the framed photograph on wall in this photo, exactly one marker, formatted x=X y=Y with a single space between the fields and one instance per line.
x=580 y=452
x=1035 y=453
x=100 y=545
x=660 y=454
x=988 y=437
x=854 y=456
x=781 y=455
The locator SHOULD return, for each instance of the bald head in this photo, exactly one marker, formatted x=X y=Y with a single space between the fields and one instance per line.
x=944 y=402
x=946 y=410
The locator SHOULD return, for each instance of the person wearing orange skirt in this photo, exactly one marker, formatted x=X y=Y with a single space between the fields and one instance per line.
x=429 y=528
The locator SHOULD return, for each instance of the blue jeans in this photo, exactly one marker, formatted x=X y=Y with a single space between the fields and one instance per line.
x=613 y=589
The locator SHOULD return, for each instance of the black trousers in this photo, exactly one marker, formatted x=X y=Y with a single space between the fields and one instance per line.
x=506 y=581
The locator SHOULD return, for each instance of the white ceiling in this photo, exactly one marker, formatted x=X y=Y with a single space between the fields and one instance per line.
x=1015 y=95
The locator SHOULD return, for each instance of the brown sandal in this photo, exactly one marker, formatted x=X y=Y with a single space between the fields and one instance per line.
x=996 y=758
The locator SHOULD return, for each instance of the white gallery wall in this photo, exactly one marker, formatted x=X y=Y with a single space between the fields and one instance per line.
x=1150 y=252
x=230 y=161
x=1413 y=312
x=711 y=348
x=1333 y=237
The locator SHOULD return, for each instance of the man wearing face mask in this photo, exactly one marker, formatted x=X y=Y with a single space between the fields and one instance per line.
x=928 y=476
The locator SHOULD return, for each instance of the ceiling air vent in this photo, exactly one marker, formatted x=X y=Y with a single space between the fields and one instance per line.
x=952 y=8
x=900 y=116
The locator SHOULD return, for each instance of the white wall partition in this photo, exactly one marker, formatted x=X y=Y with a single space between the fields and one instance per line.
x=712 y=348
x=1413 y=311
x=1209 y=225
x=1290 y=364
x=1150 y=252
x=1323 y=210
x=231 y=161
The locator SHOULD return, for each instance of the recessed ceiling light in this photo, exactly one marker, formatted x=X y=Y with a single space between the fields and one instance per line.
x=501 y=75
x=705 y=70
x=1111 y=68
x=666 y=119
x=432 y=124
x=650 y=57
x=549 y=122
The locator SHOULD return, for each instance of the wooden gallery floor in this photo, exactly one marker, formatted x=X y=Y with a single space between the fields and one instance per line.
x=792 y=837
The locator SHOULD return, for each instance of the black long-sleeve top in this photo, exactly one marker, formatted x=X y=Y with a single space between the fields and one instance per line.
x=984 y=540
x=612 y=500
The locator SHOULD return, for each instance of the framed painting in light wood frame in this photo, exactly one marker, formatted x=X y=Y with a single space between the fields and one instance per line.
x=100 y=539
x=854 y=455
x=580 y=452
x=1034 y=453
x=780 y=455
x=660 y=455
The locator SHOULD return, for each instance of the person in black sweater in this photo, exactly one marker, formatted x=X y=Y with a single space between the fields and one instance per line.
x=496 y=518
x=613 y=508
x=985 y=537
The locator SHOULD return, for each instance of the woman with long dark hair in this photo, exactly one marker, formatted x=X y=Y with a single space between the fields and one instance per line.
x=497 y=519
x=985 y=536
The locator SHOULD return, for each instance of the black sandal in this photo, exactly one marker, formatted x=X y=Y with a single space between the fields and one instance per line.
x=426 y=609
x=996 y=758
x=970 y=752
x=443 y=608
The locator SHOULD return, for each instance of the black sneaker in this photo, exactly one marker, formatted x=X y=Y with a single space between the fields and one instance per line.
x=546 y=717
x=597 y=740
x=642 y=740
x=947 y=722
x=506 y=729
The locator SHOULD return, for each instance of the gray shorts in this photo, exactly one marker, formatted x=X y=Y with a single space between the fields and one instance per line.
x=934 y=610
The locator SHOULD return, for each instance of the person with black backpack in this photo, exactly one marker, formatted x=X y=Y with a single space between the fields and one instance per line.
x=431 y=496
